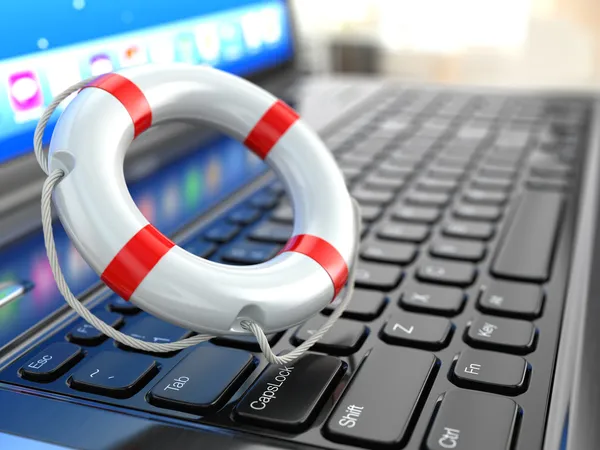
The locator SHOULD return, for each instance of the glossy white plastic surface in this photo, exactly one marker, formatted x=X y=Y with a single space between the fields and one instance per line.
x=96 y=209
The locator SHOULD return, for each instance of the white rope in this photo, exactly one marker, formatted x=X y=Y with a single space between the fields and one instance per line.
x=46 y=206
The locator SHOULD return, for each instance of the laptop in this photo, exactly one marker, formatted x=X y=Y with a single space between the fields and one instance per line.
x=473 y=323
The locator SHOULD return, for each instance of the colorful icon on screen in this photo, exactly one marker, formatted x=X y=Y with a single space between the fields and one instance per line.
x=271 y=25
x=100 y=64
x=25 y=92
x=186 y=48
x=251 y=29
x=133 y=55
x=207 y=42
x=162 y=50
x=231 y=40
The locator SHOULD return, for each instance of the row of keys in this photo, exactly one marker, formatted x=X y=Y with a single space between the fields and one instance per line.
x=275 y=399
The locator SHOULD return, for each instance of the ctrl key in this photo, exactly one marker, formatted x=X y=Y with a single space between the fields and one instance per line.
x=470 y=420
x=52 y=362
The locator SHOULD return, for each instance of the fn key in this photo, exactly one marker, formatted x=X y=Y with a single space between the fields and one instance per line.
x=468 y=420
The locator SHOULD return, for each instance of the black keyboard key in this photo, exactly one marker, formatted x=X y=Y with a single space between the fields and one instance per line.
x=551 y=170
x=204 y=380
x=459 y=249
x=52 y=362
x=479 y=197
x=370 y=213
x=417 y=330
x=445 y=173
x=469 y=230
x=223 y=232
x=388 y=171
x=492 y=184
x=429 y=184
x=369 y=197
x=447 y=301
x=357 y=160
x=249 y=253
x=453 y=161
x=504 y=298
x=503 y=159
x=152 y=329
x=436 y=199
x=469 y=420
x=118 y=305
x=398 y=231
x=477 y=212
x=418 y=214
x=244 y=215
x=388 y=252
x=284 y=213
x=378 y=276
x=289 y=397
x=490 y=371
x=446 y=272
x=114 y=374
x=343 y=338
x=558 y=185
x=264 y=200
x=245 y=341
x=376 y=181
x=377 y=409
x=528 y=245
x=85 y=334
x=507 y=335
x=488 y=171
x=365 y=305
x=200 y=248
x=271 y=232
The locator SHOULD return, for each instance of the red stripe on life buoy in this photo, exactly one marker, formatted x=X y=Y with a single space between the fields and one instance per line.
x=135 y=260
x=130 y=96
x=324 y=254
x=269 y=129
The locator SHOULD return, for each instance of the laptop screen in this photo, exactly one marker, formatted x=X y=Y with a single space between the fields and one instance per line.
x=49 y=45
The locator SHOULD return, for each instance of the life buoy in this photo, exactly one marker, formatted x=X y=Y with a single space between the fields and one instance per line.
x=143 y=266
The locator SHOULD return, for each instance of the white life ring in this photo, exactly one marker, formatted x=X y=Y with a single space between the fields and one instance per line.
x=139 y=263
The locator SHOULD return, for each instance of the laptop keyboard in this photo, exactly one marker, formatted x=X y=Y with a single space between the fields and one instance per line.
x=450 y=339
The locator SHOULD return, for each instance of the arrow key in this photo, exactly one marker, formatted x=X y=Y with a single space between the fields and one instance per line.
x=417 y=330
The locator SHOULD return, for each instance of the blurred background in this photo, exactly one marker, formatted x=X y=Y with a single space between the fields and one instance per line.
x=546 y=43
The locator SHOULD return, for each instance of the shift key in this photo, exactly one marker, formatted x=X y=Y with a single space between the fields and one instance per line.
x=383 y=400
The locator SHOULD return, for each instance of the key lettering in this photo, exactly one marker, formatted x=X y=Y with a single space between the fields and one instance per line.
x=271 y=389
x=40 y=362
x=406 y=330
x=423 y=298
x=486 y=330
x=450 y=438
x=349 y=420
x=435 y=271
x=177 y=383
x=496 y=300
x=473 y=369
